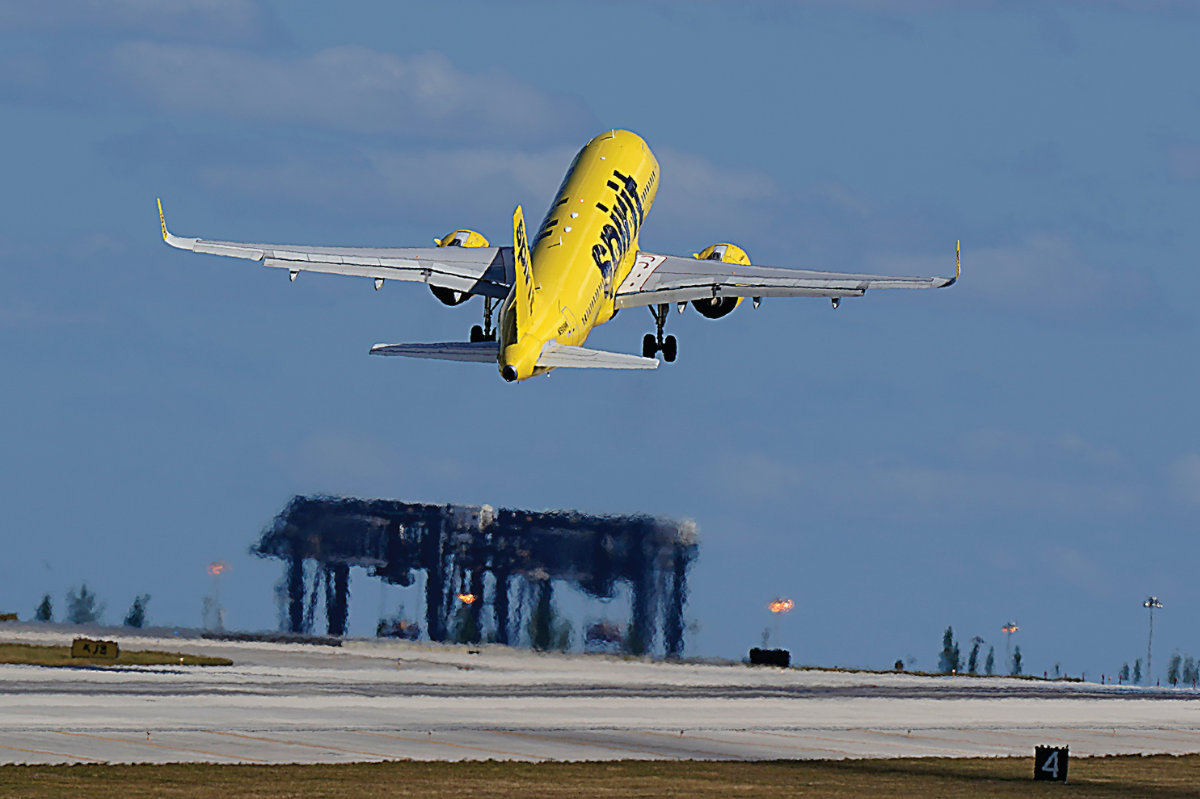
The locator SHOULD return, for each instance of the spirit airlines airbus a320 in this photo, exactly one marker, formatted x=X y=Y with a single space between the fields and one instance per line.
x=582 y=267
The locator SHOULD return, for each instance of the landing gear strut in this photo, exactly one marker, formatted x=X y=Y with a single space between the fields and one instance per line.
x=655 y=343
x=484 y=333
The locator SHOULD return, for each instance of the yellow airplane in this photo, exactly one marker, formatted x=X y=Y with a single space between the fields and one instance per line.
x=582 y=266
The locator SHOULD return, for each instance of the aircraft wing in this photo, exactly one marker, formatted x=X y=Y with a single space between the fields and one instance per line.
x=657 y=279
x=478 y=270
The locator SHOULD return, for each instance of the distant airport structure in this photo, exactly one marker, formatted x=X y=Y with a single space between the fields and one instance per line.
x=488 y=574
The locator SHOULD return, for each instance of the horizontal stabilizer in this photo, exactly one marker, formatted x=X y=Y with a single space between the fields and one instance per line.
x=561 y=355
x=476 y=352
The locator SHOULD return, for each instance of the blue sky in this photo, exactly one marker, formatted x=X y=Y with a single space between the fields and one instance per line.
x=1022 y=445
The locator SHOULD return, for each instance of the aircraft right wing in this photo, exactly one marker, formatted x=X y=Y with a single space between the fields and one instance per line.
x=477 y=270
x=657 y=279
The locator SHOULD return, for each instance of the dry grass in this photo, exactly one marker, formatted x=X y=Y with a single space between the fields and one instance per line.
x=34 y=655
x=1161 y=775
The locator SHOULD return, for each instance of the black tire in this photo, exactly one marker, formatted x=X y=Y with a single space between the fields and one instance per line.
x=649 y=346
x=477 y=334
x=670 y=349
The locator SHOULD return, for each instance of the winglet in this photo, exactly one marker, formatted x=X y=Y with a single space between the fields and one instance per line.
x=169 y=237
x=162 y=220
x=957 y=265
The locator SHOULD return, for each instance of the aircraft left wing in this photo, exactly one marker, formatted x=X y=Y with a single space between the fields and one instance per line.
x=477 y=270
x=657 y=279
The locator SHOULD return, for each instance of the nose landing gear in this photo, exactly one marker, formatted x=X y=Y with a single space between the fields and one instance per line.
x=653 y=343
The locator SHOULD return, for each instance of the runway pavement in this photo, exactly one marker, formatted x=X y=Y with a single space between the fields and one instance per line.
x=368 y=700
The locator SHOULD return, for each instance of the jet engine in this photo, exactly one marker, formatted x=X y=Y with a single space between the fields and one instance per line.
x=456 y=238
x=716 y=307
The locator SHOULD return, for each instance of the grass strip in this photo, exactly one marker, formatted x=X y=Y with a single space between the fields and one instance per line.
x=1124 y=776
x=38 y=655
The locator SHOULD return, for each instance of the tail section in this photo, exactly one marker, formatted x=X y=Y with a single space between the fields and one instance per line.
x=524 y=272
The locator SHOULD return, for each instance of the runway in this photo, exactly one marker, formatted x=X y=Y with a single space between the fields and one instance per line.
x=383 y=700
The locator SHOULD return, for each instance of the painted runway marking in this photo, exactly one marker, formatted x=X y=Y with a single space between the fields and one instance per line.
x=432 y=742
x=324 y=747
x=158 y=746
x=687 y=749
x=908 y=735
x=55 y=754
x=585 y=742
x=804 y=737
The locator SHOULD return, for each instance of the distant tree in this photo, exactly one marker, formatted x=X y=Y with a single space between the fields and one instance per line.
x=466 y=630
x=136 y=617
x=973 y=658
x=45 y=611
x=1137 y=671
x=898 y=665
x=1016 y=669
x=82 y=607
x=1173 y=667
x=1189 y=671
x=950 y=660
x=989 y=665
x=545 y=628
x=1124 y=674
x=562 y=635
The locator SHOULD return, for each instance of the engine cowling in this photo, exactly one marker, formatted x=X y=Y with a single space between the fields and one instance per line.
x=457 y=238
x=716 y=307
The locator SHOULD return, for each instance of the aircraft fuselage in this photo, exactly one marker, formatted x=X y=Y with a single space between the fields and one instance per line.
x=584 y=248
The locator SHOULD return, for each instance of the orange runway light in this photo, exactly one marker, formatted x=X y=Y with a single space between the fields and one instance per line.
x=466 y=599
x=781 y=605
x=216 y=567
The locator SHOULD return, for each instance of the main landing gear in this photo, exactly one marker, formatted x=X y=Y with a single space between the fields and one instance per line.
x=653 y=343
x=484 y=333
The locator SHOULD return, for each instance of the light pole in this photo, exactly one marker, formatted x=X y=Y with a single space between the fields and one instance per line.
x=1151 y=603
x=777 y=607
x=1008 y=631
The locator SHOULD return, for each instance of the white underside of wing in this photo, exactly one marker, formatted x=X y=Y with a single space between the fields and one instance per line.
x=657 y=279
x=562 y=355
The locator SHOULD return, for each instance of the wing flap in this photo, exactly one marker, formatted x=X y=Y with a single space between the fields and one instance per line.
x=561 y=355
x=474 y=352
x=412 y=274
x=669 y=278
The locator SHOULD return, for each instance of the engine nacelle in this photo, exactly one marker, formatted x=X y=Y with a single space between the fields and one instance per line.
x=717 y=307
x=456 y=238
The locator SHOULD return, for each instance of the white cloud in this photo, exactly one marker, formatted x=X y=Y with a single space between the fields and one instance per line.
x=713 y=203
x=698 y=200
x=341 y=461
x=1184 y=477
x=223 y=20
x=1044 y=271
x=1185 y=163
x=896 y=486
x=471 y=186
x=346 y=88
x=991 y=446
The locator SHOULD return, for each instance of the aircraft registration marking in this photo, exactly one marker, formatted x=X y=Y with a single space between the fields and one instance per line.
x=643 y=266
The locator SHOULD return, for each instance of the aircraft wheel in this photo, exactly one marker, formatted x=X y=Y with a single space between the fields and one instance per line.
x=649 y=346
x=670 y=349
x=477 y=334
